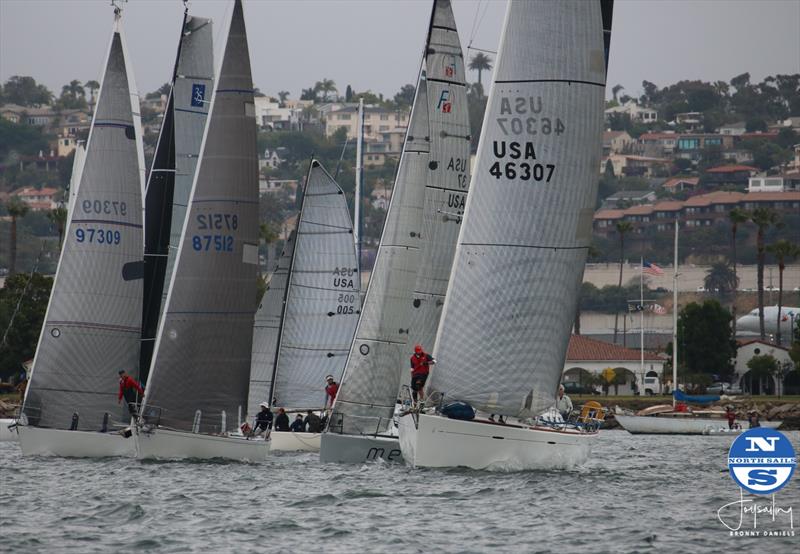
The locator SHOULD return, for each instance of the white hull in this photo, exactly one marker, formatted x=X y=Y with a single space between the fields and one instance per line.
x=356 y=449
x=39 y=441
x=679 y=425
x=166 y=444
x=7 y=434
x=436 y=441
x=287 y=441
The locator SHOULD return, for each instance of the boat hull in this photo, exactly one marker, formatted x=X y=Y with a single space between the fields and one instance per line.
x=436 y=441
x=168 y=444
x=356 y=449
x=39 y=441
x=7 y=434
x=671 y=425
x=287 y=441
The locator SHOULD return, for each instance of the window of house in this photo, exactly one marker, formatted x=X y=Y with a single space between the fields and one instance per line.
x=383 y=128
x=688 y=144
x=384 y=117
x=344 y=116
x=713 y=141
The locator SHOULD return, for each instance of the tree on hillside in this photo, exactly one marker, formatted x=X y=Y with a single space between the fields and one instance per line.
x=73 y=96
x=763 y=218
x=93 y=87
x=622 y=228
x=782 y=250
x=720 y=279
x=405 y=97
x=283 y=95
x=59 y=218
x=737 y=217
x=24 y=91
x=615 y=92
x=480 y=62
x=763 y=368
x=24 y=139
x=326 y=87
x=16 y=209
x=31 y=294
x=705 y=339
x=308 y=94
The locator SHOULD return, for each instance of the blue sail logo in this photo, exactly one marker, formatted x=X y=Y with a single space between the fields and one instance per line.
x=198 y=95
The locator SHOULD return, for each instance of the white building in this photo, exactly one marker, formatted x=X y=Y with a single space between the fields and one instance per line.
x=636 y=112
x=271 y=116
x=774 y=183
x=760 y=385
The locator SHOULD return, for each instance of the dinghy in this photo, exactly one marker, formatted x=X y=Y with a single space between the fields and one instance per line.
x=93 y=319
x=197 y=386
x=519 y=262
x=409 y=280
x=312 y=320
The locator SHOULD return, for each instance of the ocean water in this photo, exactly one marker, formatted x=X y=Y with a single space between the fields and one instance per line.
x=636 y=494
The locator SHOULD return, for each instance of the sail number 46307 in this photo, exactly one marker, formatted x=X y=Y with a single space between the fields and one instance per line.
x=524 y=171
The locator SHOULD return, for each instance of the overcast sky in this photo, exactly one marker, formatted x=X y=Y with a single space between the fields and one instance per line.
x=377 y=44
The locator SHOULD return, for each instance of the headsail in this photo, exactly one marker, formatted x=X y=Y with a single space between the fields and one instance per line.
x=202 y=356
x=323 y=304
x=174 y=164
x=94 y=315
x=520 y=257
x=448 y=173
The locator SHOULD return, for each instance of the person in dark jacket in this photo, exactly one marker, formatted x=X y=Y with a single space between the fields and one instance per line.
x=282 y=420
x=313 y=422
x=298 y=425
x=263 y=420
x=128 y=387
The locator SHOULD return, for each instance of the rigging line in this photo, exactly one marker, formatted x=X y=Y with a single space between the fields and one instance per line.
x=22 y=295
x=482 y=50
x=474 y=22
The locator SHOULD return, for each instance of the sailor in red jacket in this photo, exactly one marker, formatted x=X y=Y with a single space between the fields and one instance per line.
x=420 y=367
x=128 y=387
x=330 y=390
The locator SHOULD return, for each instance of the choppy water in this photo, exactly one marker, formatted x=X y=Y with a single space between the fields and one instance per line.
x=636 y=494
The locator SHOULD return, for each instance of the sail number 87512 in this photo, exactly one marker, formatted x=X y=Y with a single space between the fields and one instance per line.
x=525 y=171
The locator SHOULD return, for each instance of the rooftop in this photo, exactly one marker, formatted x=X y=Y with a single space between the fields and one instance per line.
x=731 y=169
x=582 y=348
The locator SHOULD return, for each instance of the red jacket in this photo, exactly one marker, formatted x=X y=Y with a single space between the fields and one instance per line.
x=331 y=390
x=128 y=382
x=421 y=365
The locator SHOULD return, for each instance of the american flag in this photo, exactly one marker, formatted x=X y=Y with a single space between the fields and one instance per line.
x=651 y=269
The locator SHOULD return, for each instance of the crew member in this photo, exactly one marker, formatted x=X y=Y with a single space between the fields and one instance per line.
x=731 y=415
x=263 y=420
x=128 y=387
x=421 y=363
x=313 y=422
x=331 y=389
x=282 y=420
x=563 y=403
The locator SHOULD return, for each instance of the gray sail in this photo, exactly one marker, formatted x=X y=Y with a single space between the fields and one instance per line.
x=323 y=302
x=266 y=331
x=172 y=173
x=202 y=355
x=448 y=173
x=91 y=329
x=368 y=390
x=527 y=227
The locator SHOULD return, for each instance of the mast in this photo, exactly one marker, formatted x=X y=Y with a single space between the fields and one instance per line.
x=675 y=318
x=641 y=318
x=359 y=178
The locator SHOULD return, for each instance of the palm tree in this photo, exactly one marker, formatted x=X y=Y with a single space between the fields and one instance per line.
x=763 y=218
x=58 y=216
x=737 y=217
x=268 y=235
x=93 y=87
x=615 y=91
x=720 y=278
x=326 y=86
x=479 y=63
x=283 y=95
x=622 y=227
x=16 y=209
x=782 y=250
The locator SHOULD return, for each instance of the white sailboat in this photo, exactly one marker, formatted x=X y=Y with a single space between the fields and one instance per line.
x=197 y=388
x=303 y=331
x=93 y=319
x=519 y=263
x=408 y=281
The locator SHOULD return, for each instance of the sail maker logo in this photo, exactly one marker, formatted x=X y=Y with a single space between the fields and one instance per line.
x=449 y=64
x=444 y=102
x=761 y=461
x=198 y=95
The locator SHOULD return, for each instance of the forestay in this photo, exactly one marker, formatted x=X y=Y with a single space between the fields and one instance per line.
x=266 y=331
x=202 y=355
x=520 y=257
x=368 y=391
x=93 y=320
x=323 y=304
x=172 y=173
x=448 y=173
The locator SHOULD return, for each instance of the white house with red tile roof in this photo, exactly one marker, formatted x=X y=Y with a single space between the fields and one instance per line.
x=38 y=200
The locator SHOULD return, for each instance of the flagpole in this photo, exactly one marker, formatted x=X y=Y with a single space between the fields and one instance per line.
x=641 y=318
x=675 y=319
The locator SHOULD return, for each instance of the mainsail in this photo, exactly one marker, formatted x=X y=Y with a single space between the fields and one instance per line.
x=91 y=329
x=448 y=173
x=201 y=366
x=322 y=303
x=172 y=173
x=519 y=263
x=266 y=331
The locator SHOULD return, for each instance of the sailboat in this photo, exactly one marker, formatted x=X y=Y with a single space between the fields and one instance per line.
x=93 y=319
x=679 y=419
x=173 y=169
x=312 y=320
x=197 y=387
x=417 y=247
x=519 y=262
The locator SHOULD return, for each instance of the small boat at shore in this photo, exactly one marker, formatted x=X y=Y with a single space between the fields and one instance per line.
x=683 y=423
x=7 y=432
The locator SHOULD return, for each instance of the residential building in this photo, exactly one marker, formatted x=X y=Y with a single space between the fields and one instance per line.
x=38 y=200
x=380 y=196
x=65 y=145
x=730 y=176
x=690 y=146
x=691 y=121
x=774 y=183
x=43 y=116
x=624 y=198
x=746 y=351
x=679 y=184
x=616 y=142
x=634 y=111
x=272 y=158
x=734 y=129
x=658 y=145
x=274 y=186
x=271 y=116
x=633 y=165
x=377 y=121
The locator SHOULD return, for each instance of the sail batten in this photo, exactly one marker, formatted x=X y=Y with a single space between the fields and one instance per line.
x=527 y=225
